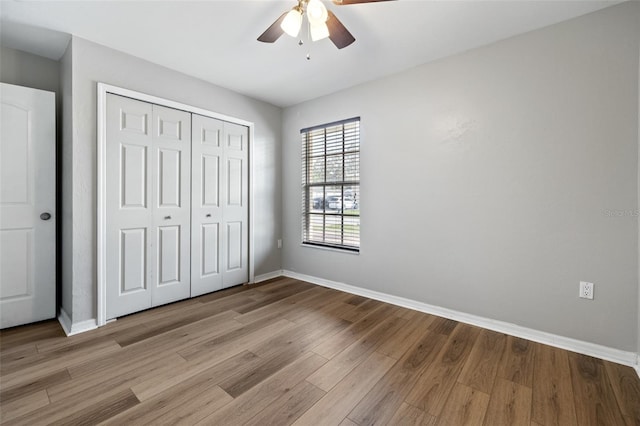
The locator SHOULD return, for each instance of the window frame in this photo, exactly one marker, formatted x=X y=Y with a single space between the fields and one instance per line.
x=306 y=159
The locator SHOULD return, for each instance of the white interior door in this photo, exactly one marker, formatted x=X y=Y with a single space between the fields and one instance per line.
x=219 y=212
x=171 y=176
x=27 y=205
x=129 y=204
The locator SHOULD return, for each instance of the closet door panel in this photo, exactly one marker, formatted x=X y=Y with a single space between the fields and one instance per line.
x=168 y=255
x=171 y=185
x=169 y=178
x=236 y=206
x=129 y=215
x=206 y=209
x=210 y=244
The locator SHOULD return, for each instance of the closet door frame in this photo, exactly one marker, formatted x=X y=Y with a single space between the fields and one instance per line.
x=103 y=90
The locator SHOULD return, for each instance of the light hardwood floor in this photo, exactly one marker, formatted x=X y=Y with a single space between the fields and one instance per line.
x=289 y=352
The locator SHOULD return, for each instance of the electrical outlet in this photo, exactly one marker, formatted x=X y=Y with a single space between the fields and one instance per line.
x=586 y=290
x=279 y=243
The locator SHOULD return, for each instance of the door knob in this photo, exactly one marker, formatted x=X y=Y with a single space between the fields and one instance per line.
x=208 y=214
x=167 y=217
x=45 y=216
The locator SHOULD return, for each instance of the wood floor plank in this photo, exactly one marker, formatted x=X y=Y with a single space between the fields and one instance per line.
x=316 y=307
x=174 y=322
x=188 y=401
x=593 y=394
x=510 y=404
x=8 y=394
x=354 y=332
x=181 y=338
x=626 y=387
x=277 y=295
x=388 y=394
x=305 y=335
x=552 y=395
x=9 y=410
x=342 y=364
x=347 y=422
x=464 y=407
x=280 y=351
x=17 y=353
x=289 y=407
x=480 y=368
x=136 y=372
x=282 y=307
x=81 y=410
x=337 y=404
x=357 y=312
x=47 y=364
x=443 y=326
x=397 y=345
x=87 y=346
x=432 y=389
x=214 y=369
x=517 y=363
x=408 y=415
x=102 y=411
x=249 y=404
x=356 y=300
x=15 y=337
x=275 y=284
x=239 y=338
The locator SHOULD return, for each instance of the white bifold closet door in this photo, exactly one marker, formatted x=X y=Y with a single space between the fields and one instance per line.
x=148 y=197
x=219 y=211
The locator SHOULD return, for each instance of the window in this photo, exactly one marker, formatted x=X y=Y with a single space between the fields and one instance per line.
x=331 y=185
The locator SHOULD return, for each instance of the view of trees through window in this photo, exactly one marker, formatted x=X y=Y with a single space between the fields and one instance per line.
x=331 y=184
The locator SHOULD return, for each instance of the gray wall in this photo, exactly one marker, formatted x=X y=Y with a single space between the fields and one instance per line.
x=93 y=63
x=24 y=69
x=489 y=180
x=65 y=192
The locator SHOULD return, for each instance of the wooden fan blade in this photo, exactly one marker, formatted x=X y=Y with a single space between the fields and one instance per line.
x=274 y=31
x=338 y=33
x=346 y=2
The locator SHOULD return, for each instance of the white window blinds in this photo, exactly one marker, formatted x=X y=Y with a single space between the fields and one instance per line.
x=331 y=184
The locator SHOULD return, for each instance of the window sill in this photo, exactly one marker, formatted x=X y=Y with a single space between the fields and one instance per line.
x=335 y=249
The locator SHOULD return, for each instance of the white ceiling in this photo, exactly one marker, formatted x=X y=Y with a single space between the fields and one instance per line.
x=216 y=40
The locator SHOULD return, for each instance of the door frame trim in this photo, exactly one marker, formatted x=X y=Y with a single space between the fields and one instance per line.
x=103 y=90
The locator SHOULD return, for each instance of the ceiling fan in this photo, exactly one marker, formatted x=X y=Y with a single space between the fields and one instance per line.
x=322 y=23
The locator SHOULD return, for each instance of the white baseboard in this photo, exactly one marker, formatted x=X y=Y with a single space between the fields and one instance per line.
x=65 y=321
x=574 y=345
x=80 y=327
x=267 y=276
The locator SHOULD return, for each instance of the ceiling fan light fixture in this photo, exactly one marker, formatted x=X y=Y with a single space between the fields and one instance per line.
x=316 y=12
x=292 y=23
x=318 y=31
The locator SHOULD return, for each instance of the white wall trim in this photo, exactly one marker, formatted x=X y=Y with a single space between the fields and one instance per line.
x=80 y=327
x=574 y=345
x=65 y=321
x=103 y=89
x=267 y=276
